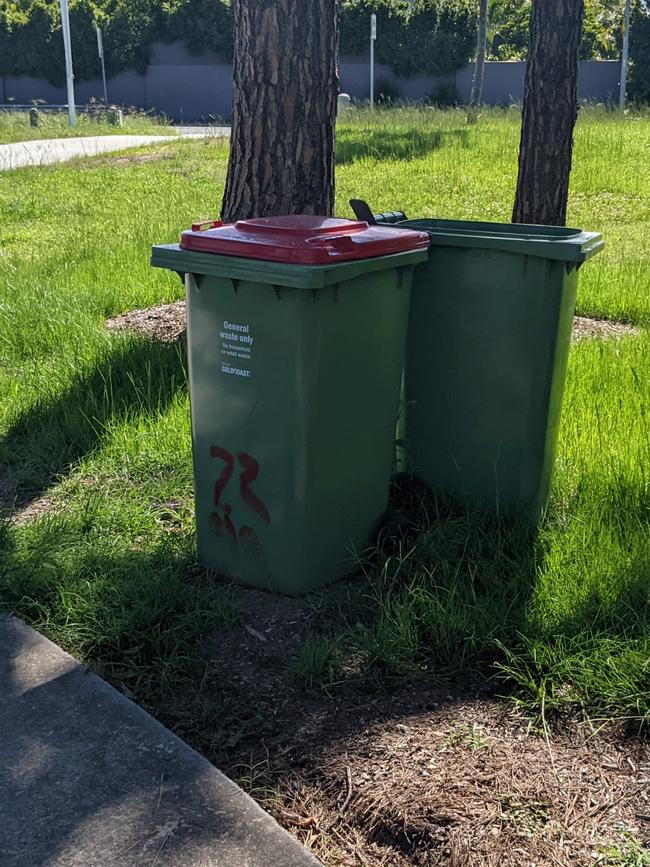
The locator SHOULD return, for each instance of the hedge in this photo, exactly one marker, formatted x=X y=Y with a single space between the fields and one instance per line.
x=434 y=36
x=31 y=42
x=429 y=36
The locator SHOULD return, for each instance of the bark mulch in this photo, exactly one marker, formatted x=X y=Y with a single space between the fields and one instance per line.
x=415 y=773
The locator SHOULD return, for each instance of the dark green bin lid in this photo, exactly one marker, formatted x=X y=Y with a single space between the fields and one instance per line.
x=547 y=242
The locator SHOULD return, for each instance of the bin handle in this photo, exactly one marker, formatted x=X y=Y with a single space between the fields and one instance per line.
x=204 y=225
x=362 y=211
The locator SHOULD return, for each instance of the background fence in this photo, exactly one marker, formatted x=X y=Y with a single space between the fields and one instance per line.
x=189 y=87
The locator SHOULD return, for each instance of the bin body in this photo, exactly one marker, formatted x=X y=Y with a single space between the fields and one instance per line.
x=488 y=344
x=294 y=388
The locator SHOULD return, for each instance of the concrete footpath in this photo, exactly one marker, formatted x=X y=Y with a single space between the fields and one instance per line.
x=56 y=150
x=88 y=779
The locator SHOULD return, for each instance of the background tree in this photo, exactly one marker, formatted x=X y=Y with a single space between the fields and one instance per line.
x=639 y=84
x=549 y=113
x=481 y=43
x=284 y=108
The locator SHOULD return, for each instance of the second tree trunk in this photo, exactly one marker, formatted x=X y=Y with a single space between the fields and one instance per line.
x=550 y=112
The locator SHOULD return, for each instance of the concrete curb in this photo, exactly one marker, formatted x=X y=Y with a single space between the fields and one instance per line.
x=88 y=779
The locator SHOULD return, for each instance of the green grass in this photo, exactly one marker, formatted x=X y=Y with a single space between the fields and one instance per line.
x=15 y=126
x=100 y=423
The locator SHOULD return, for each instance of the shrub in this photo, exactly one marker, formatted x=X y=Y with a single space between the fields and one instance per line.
x=442 y=36
x=387 y=91
x=434 y=36
x=444 y=95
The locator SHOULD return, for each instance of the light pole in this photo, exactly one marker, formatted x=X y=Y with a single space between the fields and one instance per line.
x=100 y=51
x=373 y=37
x=69 y=75
x=625 y=56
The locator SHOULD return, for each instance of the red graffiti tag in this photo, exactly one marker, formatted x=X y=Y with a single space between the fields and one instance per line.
x=221 y=522
x=251 y=472
x=226 y=475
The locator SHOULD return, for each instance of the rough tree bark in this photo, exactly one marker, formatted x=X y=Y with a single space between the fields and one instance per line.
x=550 y=112
x=284 y=110
x=477 y=80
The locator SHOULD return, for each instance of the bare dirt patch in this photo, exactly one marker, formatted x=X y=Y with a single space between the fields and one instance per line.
x=412 y=772
x=167 y=323
x=605 y=329
x=22 y=515
x=19 y=508
x=136 y=159
x=468 y=784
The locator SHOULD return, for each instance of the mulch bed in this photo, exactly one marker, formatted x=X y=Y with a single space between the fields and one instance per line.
x=167 y=323
x=605 y=329
x=414 y=773
x=468 y=784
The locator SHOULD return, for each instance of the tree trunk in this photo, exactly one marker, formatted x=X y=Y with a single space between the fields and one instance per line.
x=550 y=112
x=477 y=80
x=284 y=111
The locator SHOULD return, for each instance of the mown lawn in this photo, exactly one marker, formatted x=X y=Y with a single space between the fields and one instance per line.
x=15 y=126
x=98 y=424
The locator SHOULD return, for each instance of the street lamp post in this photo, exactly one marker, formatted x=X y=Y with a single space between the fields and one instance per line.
x=373 y=37
x=100 y=51
x=625 y=57
x=69 y=75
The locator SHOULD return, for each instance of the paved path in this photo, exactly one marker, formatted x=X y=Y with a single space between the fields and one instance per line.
x=56 y=150
x=88 y=779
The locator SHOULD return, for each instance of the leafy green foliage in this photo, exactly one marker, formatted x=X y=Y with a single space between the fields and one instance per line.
x=431 y=36
x=443 y=36
x=31 y=42
x=434 y=36
x=425 y=36
x=602 y=30
x=508 y=29
x=355 y=30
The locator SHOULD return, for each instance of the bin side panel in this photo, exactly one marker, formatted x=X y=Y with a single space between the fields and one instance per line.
x=352 y=353
x=485 y=369
x=563 y=283
x=294 y=397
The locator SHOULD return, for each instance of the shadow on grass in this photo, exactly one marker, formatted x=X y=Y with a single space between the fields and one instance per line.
x=595 y=659
x=420 y=631
x=137 y=377
x=413 y=633
x=84 y=771
x=353 y=143
x=140 y=618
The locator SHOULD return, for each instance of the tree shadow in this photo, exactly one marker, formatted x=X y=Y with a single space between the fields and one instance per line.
x=414 y=632
x=354 y=143
x=87 y=777
x=46 y=442
x=617 y=599
x=228 y=669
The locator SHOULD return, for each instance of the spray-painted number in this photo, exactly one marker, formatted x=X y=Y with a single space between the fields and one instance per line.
x=221 y=521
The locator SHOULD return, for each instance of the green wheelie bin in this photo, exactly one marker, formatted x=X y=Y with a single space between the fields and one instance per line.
x=488 y=344
x=296 y=333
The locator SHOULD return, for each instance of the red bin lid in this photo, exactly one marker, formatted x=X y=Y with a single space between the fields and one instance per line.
x=301 y=240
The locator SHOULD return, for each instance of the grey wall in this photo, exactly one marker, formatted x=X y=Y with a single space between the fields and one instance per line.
x=189 y=87
x=598 y=81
